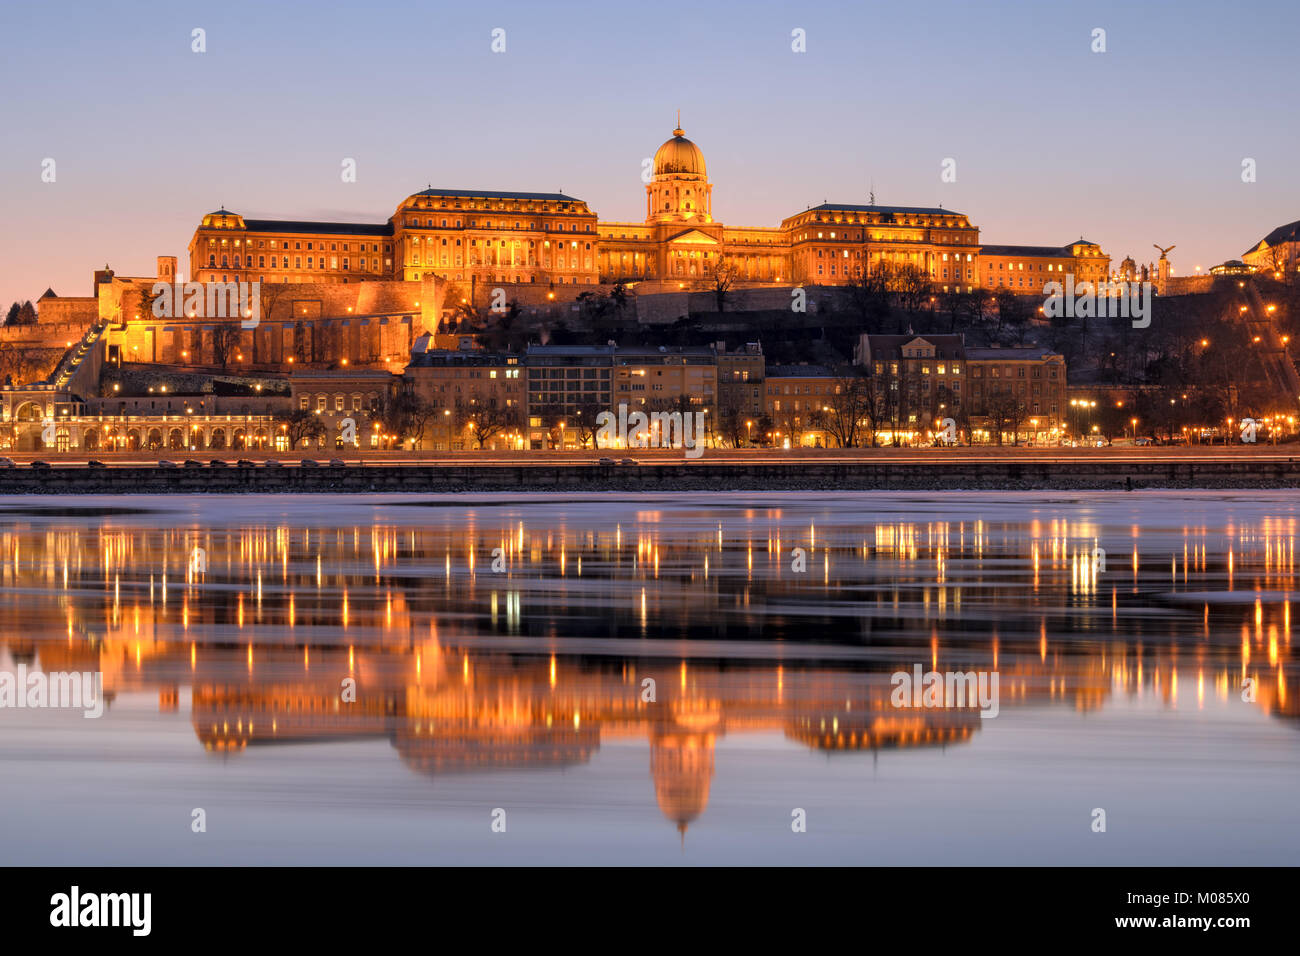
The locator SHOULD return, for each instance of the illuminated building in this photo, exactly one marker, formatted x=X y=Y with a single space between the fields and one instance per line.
x=922 y=379
x=472 y=398
x=476 y=237
x=1026 y=269
x=571 y=385
x=793 y=396
x=1031 y=379
x=1279 y=251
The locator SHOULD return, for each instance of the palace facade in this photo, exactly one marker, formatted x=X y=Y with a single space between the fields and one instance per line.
x=501 y=237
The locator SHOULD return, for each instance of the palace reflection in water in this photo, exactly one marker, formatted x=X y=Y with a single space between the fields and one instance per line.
x=515 y=636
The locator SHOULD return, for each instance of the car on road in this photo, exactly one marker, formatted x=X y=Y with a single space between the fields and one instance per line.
x=272 y=463
x=41 y=465
x=164 y=463
x=95 y=463
x=629 y=461
x=1142 y=441
x=218 y=463
x=192 y=463
x=310 y=463
x=338 y=463
x=606 y=461
x=6 y=463
x=244 y=463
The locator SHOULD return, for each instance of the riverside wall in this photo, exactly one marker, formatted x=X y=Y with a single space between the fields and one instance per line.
x=359 y=478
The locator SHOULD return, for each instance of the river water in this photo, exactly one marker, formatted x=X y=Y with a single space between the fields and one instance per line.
x=653 y=679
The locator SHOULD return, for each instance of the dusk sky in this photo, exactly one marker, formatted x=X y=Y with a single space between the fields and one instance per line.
x=1143 y=143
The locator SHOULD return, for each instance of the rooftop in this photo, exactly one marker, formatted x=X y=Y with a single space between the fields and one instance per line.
x=799 y=371
x=945 y=346
x=1288 y=233
x=1045 y=251
x=904 y=210
x=473 y=357
x=325 y=228
x=1011 y=353
x=497 y=194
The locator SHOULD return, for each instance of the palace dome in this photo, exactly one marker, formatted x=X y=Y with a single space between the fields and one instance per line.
x=679 y=155
x=223 y=218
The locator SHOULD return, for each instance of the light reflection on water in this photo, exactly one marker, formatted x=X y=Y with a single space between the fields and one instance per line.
x=499 y=650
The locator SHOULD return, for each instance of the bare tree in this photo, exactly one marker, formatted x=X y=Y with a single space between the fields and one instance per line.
x=301 y=425
x=868 y=294
x=585 y=422
x=485 y=420
x=1005 y=410
x=720 y=282
x=911 y=286
x=845 y=410
x=730 y=424
x=407 y=416
x=225 y=341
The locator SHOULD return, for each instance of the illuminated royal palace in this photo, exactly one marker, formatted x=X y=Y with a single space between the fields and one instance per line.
x=352 y=316
x=552 y=239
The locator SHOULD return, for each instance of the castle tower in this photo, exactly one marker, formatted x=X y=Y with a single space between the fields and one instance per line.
x=680 y=190
x=1162 y=274
x=166 y=268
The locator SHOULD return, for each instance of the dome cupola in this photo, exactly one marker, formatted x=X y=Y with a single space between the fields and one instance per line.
x=679 y=155
x=679 y=191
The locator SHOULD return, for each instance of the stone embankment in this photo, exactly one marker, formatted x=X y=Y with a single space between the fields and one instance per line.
x=801 y=475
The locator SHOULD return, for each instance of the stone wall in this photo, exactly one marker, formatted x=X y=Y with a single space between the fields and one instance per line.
x=666 y=307
x=71 y=311
x=323 y=324
x=1188 y=285
x=30 y=353
x=937 y=474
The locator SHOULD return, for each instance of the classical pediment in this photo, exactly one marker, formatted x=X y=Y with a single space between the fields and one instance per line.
x=694 y=237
